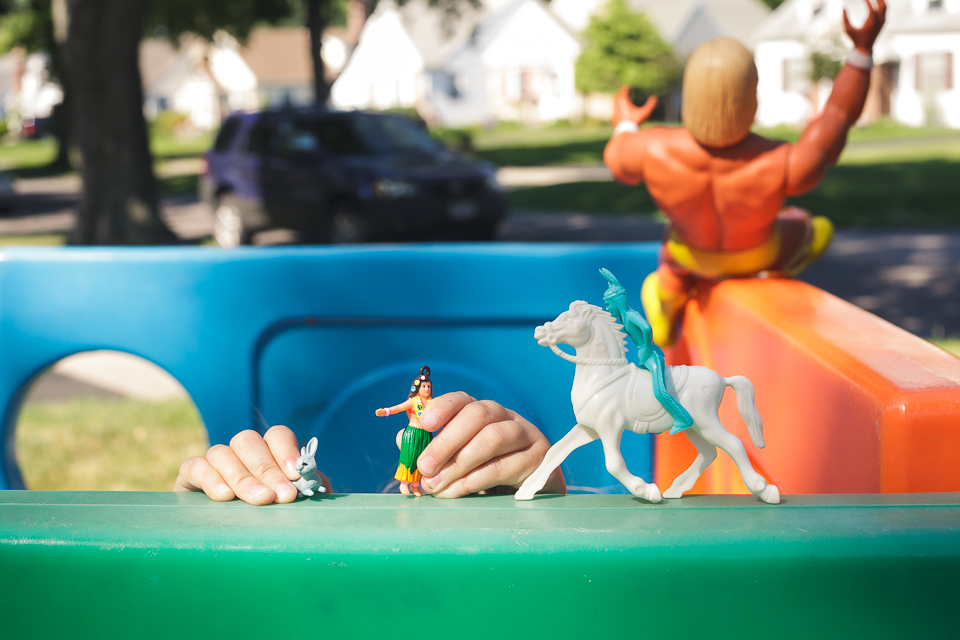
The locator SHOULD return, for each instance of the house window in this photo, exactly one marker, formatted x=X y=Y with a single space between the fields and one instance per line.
x=162 y=105
x=934 y=72
x=528 y=84
x=934 y=5
x=796 y=75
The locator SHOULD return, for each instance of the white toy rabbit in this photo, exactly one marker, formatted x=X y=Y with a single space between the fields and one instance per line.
x=308 y=483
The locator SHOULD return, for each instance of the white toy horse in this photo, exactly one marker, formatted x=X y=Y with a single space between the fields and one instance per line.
x=611 y=394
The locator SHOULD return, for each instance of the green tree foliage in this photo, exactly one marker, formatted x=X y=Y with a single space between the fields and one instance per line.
x=172 y=18
x=773 y=4
x=823 y=66
x=27 y=24
x=623 y=48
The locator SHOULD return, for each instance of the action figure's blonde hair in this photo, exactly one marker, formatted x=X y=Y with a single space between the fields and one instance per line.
x=720 y=93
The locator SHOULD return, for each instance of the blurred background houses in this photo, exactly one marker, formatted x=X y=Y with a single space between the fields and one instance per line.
x=799 y=49
x=515 y=60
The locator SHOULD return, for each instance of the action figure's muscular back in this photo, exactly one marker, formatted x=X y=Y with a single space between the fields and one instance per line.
x=716 y=199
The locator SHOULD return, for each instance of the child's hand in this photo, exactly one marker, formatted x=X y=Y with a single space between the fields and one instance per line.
x=256 y=470
x=482 y=446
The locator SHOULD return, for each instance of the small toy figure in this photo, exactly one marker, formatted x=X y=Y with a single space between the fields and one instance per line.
x=415 y=439
x=610 y=394
x=650 y=355
x=723 y=188
x=309 y=483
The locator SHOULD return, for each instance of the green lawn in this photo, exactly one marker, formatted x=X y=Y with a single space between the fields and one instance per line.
x=888 y=177
x=40 y=240
x=31 y=158
x=93 y=444
x=951 y=345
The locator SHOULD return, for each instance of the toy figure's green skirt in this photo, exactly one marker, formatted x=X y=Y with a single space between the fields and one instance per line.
x=415 y=440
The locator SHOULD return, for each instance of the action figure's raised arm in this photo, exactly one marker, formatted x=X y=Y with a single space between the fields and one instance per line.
x=389 y=411
x=624 y=153
x=822 y=141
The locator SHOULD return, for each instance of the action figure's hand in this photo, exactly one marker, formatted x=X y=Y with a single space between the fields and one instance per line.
x=483 y=446
x=864 y=37
x=624 y=109
x=256 y=470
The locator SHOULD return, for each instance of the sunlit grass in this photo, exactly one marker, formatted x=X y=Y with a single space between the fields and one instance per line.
x=951 y=345
x=27 y=153
x=93 y=444
x=38 y=240
x=180 y=147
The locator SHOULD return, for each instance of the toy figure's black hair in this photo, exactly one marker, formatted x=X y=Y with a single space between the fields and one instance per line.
x=423 y=377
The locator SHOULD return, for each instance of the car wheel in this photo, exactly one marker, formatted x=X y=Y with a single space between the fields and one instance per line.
x=228 y=229
x=348 y=227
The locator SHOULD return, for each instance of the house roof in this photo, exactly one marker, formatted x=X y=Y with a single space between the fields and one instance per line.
x=164 y=66
x=675 y=18
x=798 y=19
x=685 y=24
x=279 y=56
x=435 y=33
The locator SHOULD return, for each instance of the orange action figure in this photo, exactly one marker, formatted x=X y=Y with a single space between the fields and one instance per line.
x=723 y=188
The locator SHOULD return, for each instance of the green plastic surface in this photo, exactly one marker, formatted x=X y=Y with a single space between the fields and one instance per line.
x=165 y=565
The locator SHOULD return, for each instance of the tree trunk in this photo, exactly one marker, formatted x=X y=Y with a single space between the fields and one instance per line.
x=62 y=119
x=119 y=204
x=318 y=14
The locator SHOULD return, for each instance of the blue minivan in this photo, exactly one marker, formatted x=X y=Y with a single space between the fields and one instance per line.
x=344 y=177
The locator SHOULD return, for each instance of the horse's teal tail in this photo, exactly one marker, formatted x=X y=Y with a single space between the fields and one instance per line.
x=747 y=407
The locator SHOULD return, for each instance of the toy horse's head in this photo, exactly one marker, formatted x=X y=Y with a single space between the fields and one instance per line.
x=571 y=327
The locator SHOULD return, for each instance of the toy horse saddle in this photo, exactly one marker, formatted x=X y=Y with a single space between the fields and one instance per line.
x=640 y=388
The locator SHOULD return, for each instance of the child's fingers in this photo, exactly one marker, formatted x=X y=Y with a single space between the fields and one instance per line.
x=509 y=470
x=196 y=474
x=492 y=441
x=284 y=449
x=442 y=409
x=256 y=457
x=459 y=430
x=238 y=478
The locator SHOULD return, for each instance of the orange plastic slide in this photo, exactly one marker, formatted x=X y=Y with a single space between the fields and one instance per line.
x=850 y=403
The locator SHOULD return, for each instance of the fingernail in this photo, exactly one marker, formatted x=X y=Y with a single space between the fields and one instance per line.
x=259 y=494
x=223 y=489
x=430 y=483
x=291 y=467
x=427 y=465
x=429 y=420
x=285 y=492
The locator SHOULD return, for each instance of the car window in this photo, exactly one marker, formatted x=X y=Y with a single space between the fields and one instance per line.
x=339 y=137
x=296 y=139
x=226 y=135
x=259 y=140
x=392 y=134
x=367 y=134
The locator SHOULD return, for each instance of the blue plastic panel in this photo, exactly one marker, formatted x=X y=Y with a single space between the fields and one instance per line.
x=317 y=338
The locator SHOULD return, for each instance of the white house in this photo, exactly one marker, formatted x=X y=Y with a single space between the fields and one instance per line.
x=511 y=59
x=26 y=92
x=684 y=24
x=200 y=81
x=914 y=79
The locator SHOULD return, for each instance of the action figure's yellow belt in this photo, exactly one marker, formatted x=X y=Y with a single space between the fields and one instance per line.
x=720 y=264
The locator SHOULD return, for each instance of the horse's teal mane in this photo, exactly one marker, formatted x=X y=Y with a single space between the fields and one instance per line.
x=588 y=310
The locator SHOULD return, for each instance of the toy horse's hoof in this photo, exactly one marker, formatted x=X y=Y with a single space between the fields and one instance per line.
x=524 y=493
x=651 y=493
x=672 y=493
x=770 y=495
